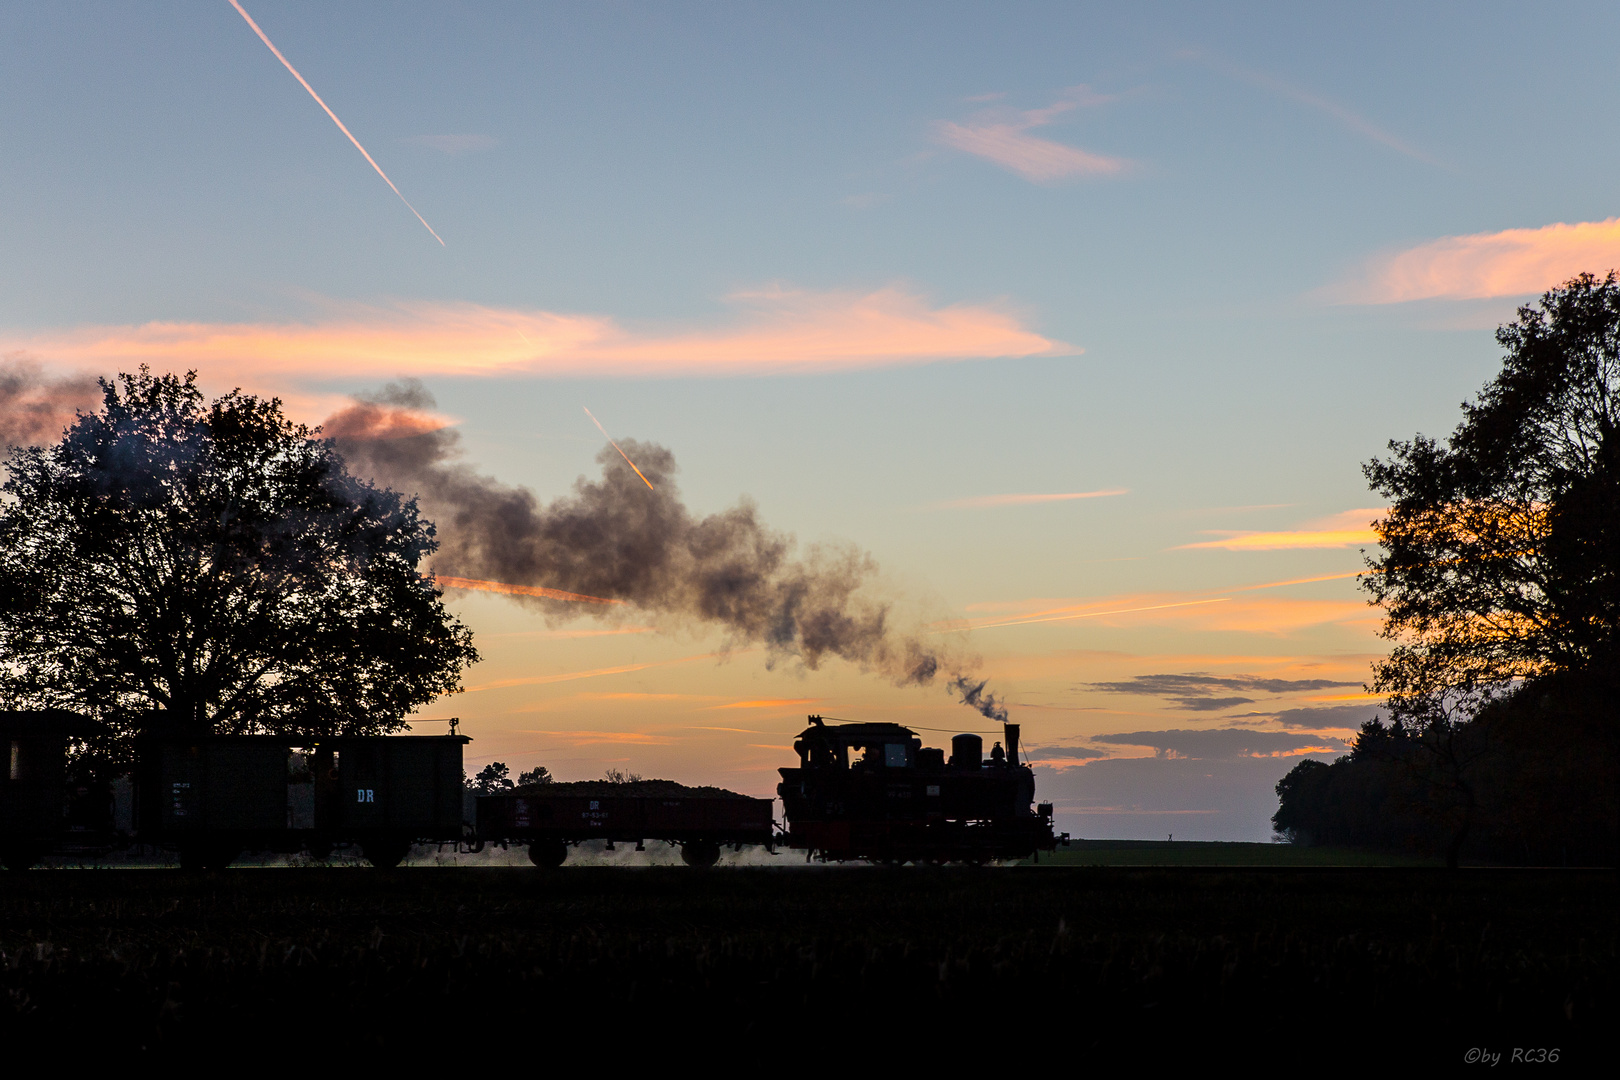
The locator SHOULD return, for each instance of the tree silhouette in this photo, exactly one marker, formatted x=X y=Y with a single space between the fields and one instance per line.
x=1501 y=551
x=173 y=564
x=1499 y=576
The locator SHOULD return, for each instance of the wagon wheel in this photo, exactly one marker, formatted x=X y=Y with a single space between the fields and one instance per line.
x=385 y=854
x=700 y=853
x=20 y=857
x=548 y=854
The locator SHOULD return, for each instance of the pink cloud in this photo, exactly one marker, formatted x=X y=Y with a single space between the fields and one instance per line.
x=1513 y=262
x=782 y=331
x=1002 y=136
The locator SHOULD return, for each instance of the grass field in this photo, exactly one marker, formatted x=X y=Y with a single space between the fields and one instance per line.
x=1207 y=853
x=915 y=963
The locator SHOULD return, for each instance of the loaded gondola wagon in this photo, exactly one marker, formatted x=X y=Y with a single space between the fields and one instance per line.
x=552 y=817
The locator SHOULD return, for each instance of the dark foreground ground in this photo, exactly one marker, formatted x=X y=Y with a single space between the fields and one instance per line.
x=1220 y=853
x=814 y=967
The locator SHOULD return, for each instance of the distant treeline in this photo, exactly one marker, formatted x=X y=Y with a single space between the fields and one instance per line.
x=1531 y=780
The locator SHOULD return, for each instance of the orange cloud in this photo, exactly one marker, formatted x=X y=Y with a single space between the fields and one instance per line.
x=769 y=703
x=1513 y=262
x=639 y=697
x=782 y=331
x=569 y=676
x=520 y=590
x=1349 y=529
x=980 y=501
x=587 y=738
x=569 y=633
x=1087 y=611
x=1001 y=136
x=1263 y=615
x=1191 y=610
x=1277 y=615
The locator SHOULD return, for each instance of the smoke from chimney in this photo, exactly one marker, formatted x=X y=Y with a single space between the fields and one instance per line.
x=630 y=539
x=35 y=408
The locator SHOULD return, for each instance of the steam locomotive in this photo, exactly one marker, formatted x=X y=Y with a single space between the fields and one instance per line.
x=874 y=792
x=861 y=791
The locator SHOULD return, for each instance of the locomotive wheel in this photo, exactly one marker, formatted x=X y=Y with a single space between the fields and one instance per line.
x=548 y=854
x=386 y=854
x=700 y=853
x=218 y=858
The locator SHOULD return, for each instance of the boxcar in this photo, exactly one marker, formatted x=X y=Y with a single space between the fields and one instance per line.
x=38 y=811
x=210 y=798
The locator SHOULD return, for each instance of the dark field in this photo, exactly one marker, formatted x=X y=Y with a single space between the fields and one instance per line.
x=1219 y=853
x=1129 y=964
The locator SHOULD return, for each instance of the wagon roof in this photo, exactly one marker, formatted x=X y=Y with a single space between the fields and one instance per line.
x=48 y=722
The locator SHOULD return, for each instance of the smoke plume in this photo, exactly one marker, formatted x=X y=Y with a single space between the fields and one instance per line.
x=630 y=538
x=973 y=694
x=35 y=408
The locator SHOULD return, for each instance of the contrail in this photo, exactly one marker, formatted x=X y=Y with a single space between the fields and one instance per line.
x=609 y=438
x=334 y=117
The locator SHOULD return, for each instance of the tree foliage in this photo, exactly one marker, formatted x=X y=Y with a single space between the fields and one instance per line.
x=212 y=567
x=1499 y=575
x=1501 y=550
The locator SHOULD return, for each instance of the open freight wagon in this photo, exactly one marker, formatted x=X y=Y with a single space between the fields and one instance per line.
x=554 y=817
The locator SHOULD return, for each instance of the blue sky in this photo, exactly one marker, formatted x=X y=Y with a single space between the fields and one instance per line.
x=857 y=263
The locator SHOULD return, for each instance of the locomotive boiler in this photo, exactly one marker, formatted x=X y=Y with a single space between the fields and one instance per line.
x=874 y=791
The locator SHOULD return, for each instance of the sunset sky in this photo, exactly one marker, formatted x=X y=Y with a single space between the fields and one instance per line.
x=1079 y=318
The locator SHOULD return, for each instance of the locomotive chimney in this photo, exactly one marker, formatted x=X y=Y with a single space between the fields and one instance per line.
x=1012 y=744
